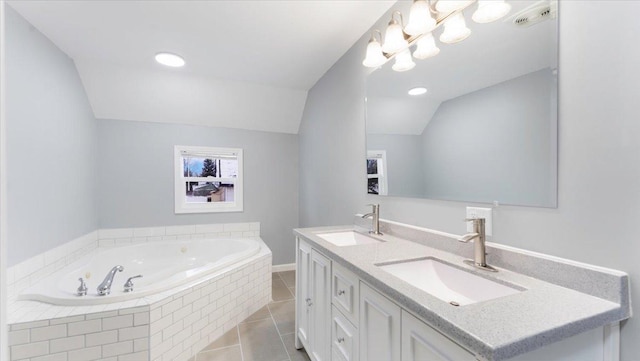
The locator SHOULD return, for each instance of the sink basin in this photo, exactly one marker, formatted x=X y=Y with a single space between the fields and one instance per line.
x=347 y=238
x=448 y=283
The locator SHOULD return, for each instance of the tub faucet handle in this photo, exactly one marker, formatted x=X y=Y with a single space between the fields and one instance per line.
x=82 y=290
x=128 y=286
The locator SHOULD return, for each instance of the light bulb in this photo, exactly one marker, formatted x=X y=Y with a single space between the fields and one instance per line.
x=426 y=47
x=394 y=40
x=448 y=6
x=374 y=56
x=455 y=30
x=490 y=10
x=420 y=19
x=404 y=61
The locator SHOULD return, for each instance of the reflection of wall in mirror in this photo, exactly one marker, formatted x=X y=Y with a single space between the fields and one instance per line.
x=494 y=144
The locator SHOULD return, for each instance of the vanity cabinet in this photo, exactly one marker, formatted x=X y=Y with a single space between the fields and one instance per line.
x=379 y=326
x=339 y=317
x=421 y=342
x=313 y=302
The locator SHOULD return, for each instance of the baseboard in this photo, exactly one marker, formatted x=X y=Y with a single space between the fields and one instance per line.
x=283 y=267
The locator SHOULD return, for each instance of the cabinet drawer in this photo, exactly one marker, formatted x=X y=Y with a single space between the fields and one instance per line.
x=344 y=337
x=344 y=292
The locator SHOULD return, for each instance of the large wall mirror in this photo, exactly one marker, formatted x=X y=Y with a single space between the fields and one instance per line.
x=486 y=129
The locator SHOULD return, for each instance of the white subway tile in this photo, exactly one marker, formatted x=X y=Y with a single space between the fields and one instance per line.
x=112 y=323
x=131 y=333
x=53 y=357
x=171 y=306
x=138 y=356
x=161 y=324
x=155 y=315
x=115 y=233
x=169 y=238
x=48 y=332
x=209 y=228
x=180 y=230
x=116 y=349
x=86 y=354
x=141 y=344
x=78 y=328
x=254 y=226
x=102 y=338
x=237 y=234
x=149 y=232
x=29 y=350
x=154 y=239
x=236 y=227
x=141 y=318
x=66 y=344
x=183 y=312
x=123 y=241
x=18 y=337
x=106 y=243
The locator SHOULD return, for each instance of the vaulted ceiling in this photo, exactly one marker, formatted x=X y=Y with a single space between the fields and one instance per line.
x=249 y=64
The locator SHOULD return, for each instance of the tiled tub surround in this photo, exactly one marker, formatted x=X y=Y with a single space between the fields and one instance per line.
x=500 y=328
x=29 y=272
x=172 y=325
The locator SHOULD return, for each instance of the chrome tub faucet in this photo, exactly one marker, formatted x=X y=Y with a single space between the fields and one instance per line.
x=375 y=219
x=479 y=238
x=105 y=287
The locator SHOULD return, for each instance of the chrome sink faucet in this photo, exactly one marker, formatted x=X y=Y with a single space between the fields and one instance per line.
x=375 y=219
x=480 y=251
x=105 y=287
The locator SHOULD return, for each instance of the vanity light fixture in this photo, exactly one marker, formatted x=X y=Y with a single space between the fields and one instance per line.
x=424 y=17
x=169 y=59
x=417 y=91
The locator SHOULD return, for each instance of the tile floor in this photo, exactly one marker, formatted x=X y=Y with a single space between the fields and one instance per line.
x=267 y=335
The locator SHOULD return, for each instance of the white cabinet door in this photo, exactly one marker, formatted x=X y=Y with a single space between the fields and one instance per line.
x=344 y=338
x=320 y=306
x=303 y=292
x=379 y=326
x=422 y=343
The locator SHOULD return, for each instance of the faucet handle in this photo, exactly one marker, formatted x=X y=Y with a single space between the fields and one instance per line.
x=128 y=286
x=475 y=220
x=82 y=290
x=374 y=206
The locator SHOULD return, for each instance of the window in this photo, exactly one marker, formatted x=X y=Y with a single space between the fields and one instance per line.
x=208 y=179
x=377 y=172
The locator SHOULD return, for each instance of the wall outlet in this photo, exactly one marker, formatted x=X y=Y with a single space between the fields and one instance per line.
x=477 y=212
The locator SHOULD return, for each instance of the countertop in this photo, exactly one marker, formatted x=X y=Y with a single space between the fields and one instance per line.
x=496 y=329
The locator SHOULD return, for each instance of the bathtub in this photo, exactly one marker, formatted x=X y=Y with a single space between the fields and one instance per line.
x=163 y=265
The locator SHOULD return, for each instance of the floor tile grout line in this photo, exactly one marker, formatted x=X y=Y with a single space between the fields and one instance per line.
x=278 y=330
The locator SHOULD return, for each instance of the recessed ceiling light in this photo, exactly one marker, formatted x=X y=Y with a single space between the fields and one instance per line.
x=417 y=91
x=169 y=59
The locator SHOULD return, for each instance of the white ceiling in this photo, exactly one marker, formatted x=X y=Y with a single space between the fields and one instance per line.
x=249 y=63
x=492 y=54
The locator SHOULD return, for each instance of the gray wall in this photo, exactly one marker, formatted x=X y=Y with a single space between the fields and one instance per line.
x=405 y=176
x=495 y=144
x=51 y=132
x=599 y=154
x=136 y=179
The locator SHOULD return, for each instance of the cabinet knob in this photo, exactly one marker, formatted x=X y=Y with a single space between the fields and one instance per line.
x=340 y=292
x=309 y=303
x=340 y=339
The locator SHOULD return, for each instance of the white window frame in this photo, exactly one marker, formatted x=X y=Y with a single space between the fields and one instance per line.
x=181 y=206
x=382 y=170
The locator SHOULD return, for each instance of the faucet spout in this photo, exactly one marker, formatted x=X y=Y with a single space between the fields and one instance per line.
x=375 y=219
x=479 y=238
x=105 y=287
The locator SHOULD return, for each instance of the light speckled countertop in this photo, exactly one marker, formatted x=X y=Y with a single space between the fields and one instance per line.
x=496 y=329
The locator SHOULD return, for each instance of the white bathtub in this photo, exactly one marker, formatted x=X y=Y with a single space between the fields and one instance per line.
x=163 y=265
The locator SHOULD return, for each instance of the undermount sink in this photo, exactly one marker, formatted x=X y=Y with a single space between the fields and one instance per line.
x=347 y=238
x=448 y=283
